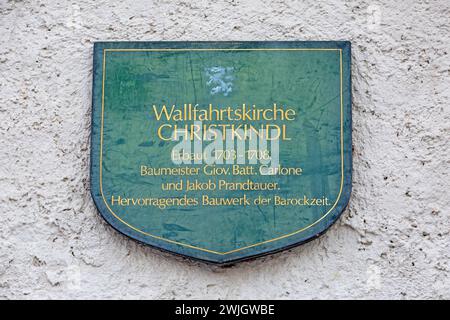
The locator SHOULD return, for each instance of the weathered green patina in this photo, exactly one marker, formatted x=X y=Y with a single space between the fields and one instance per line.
x=221 y=212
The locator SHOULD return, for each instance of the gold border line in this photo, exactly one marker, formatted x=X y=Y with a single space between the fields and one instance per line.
x=249 y=246
x=226 y=49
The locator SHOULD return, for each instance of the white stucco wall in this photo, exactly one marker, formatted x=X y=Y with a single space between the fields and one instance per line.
x=393 y=241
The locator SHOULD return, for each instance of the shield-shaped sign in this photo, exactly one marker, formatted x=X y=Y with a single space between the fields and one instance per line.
x=221 y=151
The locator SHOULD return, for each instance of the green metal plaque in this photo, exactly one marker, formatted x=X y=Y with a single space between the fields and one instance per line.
x=221 y=151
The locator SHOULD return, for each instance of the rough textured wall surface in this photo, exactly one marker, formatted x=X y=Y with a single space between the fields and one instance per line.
x=393 y=241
